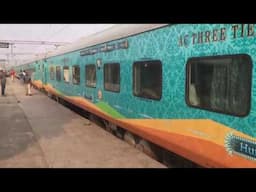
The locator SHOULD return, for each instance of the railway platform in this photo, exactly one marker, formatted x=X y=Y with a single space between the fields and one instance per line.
x=37 y=132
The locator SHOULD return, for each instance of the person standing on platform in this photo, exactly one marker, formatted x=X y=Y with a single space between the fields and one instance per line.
x=3 y=81
x=12 y=75
x=27 y=81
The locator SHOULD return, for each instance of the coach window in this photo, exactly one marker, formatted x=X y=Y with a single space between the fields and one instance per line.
x=112 y=77
x=58 y=73
x=52 y=73
x=66 y=74
x=76 y=74
x=220 y=83
x=90 y=75
x=147 y=79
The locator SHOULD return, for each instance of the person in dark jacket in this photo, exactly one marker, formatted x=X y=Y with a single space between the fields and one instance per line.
x=3 y=81
x=27 y=81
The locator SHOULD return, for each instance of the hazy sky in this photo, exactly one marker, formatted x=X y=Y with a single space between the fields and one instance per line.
x=42 y=32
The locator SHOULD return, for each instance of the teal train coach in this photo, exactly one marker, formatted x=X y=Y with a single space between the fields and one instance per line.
x=186 y=89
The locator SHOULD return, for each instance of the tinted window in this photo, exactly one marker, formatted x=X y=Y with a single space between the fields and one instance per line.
x=90 y=75
x=58 y=73
x=220 y=83
x=52 y=73
x=66 y=74
x=76 y=74
x=112 y=77
x=147 y=79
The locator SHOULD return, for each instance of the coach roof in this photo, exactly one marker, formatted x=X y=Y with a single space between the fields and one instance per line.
x=116 y=32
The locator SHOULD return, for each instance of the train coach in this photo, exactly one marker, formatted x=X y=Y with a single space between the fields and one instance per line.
x=186 y=88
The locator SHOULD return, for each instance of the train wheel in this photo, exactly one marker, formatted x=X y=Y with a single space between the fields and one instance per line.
x=49 y=94
x=173 y=160
x=96 y=120
x=57 y=99
x=106 y=125
x=129 y=138
x=110 y=127
x=149 y=149
x=61 y=101
x=120 y=133
x=113 y=127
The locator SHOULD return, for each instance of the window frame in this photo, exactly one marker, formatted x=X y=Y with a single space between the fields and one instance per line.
x=66 y=66
x=56 y=73
x=78 y=83
x=112 y=63
x=52 y=76
x=95 y=76
x=133 y=79
x=188 y=77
